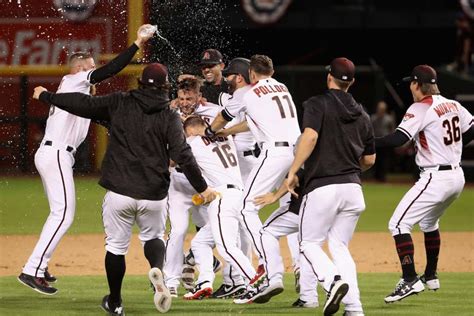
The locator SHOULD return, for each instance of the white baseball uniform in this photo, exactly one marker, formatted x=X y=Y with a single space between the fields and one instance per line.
x=180 y=206
x=436 y=124
x=54 y=161
x=219 y=164
x=271 y=116
x=282 y=222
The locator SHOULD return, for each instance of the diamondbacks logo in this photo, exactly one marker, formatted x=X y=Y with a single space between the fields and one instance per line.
x=206 y=55
x=406 y=260
x=408 y=116
x=265 y=11
x=75 y=10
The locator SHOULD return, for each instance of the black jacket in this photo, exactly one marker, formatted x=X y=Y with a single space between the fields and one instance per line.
x=345 y=134
x=144 y=135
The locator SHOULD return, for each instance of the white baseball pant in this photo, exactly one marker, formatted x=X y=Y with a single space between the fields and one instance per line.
x=331 y=212
x=285 y=223
x=180 y=204
x=224 y=226
x=427 y=201
x=119 y=214
x=267 y=175
x=246 y=164
x=54 y=164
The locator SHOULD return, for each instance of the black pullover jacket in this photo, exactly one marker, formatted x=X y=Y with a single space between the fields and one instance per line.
x=144 y=135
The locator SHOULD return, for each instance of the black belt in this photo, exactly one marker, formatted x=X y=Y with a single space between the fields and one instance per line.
x=440 y=168
x=249 y=153
x=282 y=144
x=50 y=143
x=232 y=186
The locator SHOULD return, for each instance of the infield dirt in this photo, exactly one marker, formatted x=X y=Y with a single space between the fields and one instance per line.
x=373 y=252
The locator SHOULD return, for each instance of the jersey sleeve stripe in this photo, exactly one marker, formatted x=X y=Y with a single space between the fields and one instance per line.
x=227 y=116
x=404 y=131
x=89 y=75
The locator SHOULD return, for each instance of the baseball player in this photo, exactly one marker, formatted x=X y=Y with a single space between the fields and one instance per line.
x=217 y=159
x=271 y=116
x=215 y=87
x=55 y=159
x=144 y=135
x=336 y=145
x=285 y=222
x=181 y=191
x=439 y=127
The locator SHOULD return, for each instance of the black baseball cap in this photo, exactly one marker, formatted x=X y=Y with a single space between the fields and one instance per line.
x=238 y=66
x=154 y=74
x=422 y=74
x=342 y=68
x=210 y=57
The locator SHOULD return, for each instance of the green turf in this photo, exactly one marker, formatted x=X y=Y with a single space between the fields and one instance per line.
x=82 y=296
x=24 y=208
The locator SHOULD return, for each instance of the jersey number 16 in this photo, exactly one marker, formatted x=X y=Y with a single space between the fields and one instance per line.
x=227 y=158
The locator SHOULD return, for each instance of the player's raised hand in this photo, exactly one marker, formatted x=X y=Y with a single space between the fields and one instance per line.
x=265 y=199
x=144 y=33
x=292 y=183
x=38 y=91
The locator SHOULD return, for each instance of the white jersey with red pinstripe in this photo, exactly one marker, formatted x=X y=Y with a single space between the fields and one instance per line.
x=54 y=161
x=436 y=124
x=219 y=164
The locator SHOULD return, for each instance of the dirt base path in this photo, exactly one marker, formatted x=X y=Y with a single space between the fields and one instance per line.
x=372 y=252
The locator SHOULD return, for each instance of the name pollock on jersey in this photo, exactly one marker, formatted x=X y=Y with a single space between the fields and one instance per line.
x=266 y=89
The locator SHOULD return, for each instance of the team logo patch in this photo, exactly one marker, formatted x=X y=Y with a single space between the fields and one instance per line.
x=75 y=10
x=265 y=11
x=408 y=116
x=206 y=55
x=406 y=260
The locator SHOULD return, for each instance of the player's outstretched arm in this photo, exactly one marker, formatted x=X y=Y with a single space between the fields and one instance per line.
x=83 y=105
x=216 y=125
x=121 y=61
x=396 y=139
x=236 y=129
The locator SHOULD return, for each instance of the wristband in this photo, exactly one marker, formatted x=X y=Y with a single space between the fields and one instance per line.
x=209 y=132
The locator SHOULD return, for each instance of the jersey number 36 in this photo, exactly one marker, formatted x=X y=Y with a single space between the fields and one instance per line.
x=453 y=132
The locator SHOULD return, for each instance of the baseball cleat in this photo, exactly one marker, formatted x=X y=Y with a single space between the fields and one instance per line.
x=297 y=279
x=187 y=276
x=173 y=291
x=432 y=282
x=40 y=285
x=200 y=291
x=49 y=277
x=405 y=289
x=162 y=296
x=300 y=303
x=111 y=308
x=229 y=291
x=259 y=277
x=335 y=295
x=268 y=292
x=247 y=297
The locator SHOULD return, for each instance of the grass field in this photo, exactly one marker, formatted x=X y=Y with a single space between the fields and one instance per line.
x=82 y=296
x=24 y=208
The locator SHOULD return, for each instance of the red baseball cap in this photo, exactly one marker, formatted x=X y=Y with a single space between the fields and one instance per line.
x=342 y=68
x=422 y=74
x=154 y=74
